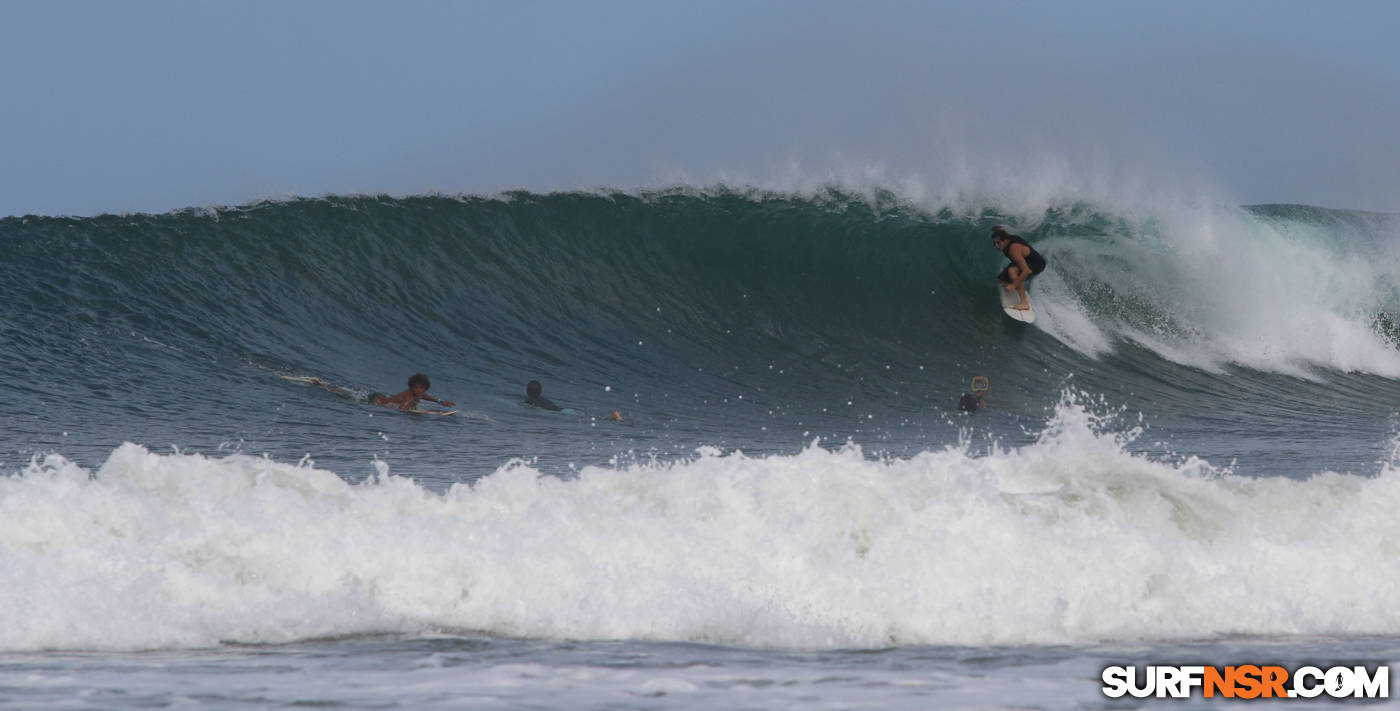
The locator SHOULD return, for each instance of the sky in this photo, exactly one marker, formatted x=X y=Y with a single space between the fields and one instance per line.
x=156 y=105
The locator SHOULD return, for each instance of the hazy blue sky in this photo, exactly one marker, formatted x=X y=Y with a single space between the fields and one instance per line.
x=149 y=106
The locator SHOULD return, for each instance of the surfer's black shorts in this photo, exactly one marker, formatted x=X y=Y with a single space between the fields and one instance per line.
x=1005 y=275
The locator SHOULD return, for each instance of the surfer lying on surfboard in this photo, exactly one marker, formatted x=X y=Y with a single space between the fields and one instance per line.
x=534 y=398
x=1025 y=264
x=408 y=400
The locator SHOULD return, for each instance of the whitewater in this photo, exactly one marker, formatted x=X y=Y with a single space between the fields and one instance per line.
x=818 y=549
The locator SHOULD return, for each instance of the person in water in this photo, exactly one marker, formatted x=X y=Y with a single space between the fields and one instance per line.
x=977 y=399
x=1025 y=264
x=971 y=402
x=417 y=391
x=533 y=398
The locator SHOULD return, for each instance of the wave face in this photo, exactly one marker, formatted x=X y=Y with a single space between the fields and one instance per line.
x=832 y=315
x=1204 y=385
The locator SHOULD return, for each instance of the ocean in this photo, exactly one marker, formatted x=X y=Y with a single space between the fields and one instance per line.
x=1192 y=457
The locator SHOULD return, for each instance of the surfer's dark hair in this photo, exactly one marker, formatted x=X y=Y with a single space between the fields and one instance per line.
x=999 y=230
x=419 y=379
x=533 y=388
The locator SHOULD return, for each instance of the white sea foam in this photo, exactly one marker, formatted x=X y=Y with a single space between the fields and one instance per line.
x=1211 y=286
x=1067 y=539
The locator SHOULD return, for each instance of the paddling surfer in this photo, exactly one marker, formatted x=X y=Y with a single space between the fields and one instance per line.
x=408 y=400
x=534 y=398
x=1025 y=264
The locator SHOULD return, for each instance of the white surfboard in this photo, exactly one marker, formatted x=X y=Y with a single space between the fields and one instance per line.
x=431 y=412
x=1009 y=299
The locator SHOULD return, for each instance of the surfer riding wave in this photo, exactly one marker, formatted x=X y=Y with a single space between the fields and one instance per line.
x=1025 y=264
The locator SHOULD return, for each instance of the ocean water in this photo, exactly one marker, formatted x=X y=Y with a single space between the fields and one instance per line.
x=1192 y=457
